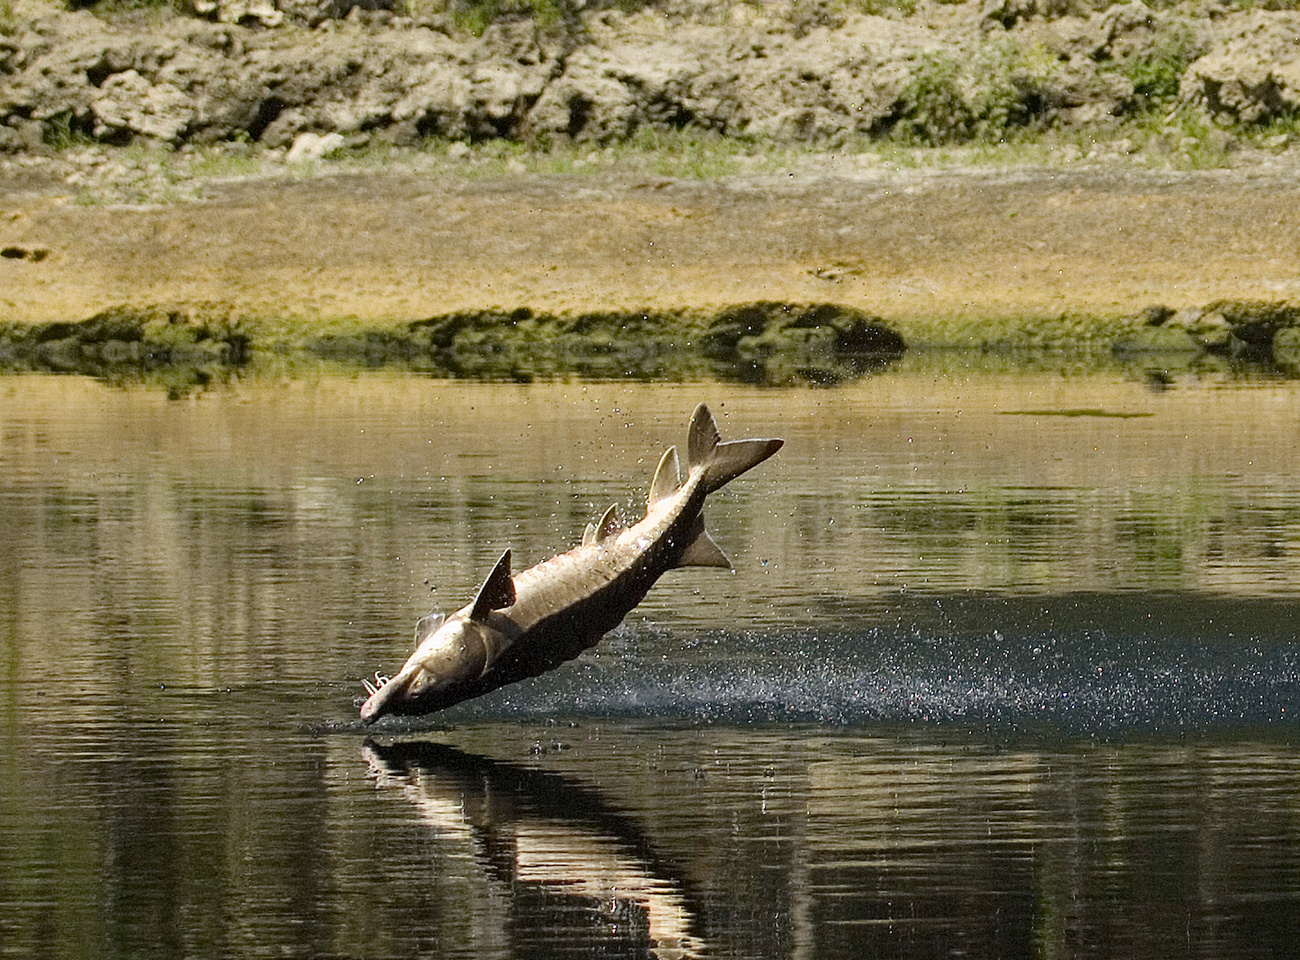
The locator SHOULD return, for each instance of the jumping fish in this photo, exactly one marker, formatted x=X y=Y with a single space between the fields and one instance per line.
x=521 y=626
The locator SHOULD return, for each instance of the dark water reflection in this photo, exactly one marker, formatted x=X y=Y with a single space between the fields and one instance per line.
x=859 y=845
x=996 y=675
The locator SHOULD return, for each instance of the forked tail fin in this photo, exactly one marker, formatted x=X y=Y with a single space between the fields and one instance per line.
x=722 y=462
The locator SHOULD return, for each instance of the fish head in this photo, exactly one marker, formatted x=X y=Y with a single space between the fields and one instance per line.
x=452 y=654
x=439 y=673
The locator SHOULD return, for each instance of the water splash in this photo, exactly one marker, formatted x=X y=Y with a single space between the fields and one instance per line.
x=1092 y=681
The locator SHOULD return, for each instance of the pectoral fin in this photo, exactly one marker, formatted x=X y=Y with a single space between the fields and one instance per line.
x=427 y=626
x=497 y=592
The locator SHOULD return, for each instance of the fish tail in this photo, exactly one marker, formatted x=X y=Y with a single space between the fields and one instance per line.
x=722 y=462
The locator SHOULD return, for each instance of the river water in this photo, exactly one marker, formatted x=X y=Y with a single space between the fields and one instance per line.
x=1006 y=668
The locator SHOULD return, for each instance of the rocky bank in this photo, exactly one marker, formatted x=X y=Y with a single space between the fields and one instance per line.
x=270 y=71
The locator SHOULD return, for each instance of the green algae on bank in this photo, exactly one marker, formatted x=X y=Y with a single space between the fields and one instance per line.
x=124 y=336
x=766 y=342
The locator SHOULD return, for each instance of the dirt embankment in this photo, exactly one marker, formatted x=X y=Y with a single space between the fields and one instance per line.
x=973 y=245
x=958 y=256
x=975 y=258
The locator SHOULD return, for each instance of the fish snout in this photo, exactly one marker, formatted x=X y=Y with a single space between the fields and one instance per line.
x=383 y=697
x=373 y=708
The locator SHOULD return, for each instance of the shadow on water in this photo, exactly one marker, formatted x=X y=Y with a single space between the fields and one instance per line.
x=550 y=848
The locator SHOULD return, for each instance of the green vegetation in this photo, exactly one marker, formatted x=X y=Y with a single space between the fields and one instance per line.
x=475 y=16
x=64 y=132
x=1262 y=4
x=214 y=163
x=142 y=13
x=1003 y=93
x=688 y=153
x=1156 y=73
x=881 y=7
x=1184 y=139
x=1000 y=135
x=769 y=343
x=1279 y=131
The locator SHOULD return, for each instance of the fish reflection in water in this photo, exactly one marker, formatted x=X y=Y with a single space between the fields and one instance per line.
x=554 y=837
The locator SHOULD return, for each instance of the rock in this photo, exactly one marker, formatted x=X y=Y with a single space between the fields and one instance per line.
x=764 y=329
x=273 y=13
x=768 y=342
x=1009 y=13
x=1238 y=328
x=859 y=336
x=189 y=80
x=271 y=70
x=1252 y=74
x=607 y=91
x=1113 y=34
x=130 y=103
x=311 y=147
x=127 y=337
x=825 y=86
x=1156 y=315
x=262 y=13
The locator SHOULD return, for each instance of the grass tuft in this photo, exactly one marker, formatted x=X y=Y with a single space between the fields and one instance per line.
x=1002 y=93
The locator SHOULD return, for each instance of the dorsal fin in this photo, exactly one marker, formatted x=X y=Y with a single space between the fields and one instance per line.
x=611 y=524
x=667 y=480
x=497 y=592
x=702 y=437
x=427 y=626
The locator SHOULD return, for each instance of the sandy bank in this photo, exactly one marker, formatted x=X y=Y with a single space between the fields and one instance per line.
x=907 y=245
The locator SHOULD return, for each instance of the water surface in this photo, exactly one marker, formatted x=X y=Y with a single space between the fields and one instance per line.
x=1006 y=668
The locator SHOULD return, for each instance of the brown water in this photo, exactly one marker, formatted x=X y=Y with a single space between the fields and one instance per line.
x=1007 y=667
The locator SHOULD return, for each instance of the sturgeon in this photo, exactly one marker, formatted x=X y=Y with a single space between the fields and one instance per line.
x=520 y=626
